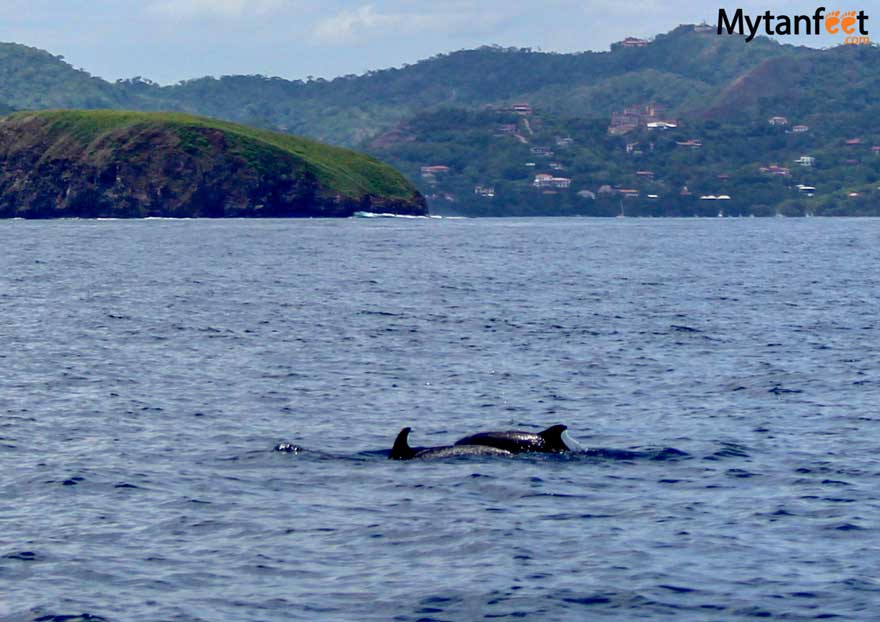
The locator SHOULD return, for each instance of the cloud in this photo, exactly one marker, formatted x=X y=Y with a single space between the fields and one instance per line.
x=347 y=26
x=186 y=9
x=364 y=22
x=171 y=40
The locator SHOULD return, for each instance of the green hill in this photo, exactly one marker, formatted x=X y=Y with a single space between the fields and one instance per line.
x=823 y=158
x=448 y=110
x=33 y=79
x=690 y=72
x=134 y=164
x=351 y=109
x=759 y=168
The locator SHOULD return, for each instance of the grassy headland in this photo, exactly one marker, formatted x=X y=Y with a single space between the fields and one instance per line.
x=124 y=163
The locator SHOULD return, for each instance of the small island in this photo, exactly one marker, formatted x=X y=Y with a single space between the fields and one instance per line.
x=121 y=164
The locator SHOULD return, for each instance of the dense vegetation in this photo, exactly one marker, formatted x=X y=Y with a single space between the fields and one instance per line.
x=133 y=164
x=727 y=163
x=447 y=110
x=34 y=79
x=679 y=69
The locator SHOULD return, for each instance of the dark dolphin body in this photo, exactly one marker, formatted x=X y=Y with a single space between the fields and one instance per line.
x=548 y=441
x=287 y=448
x=402 y=450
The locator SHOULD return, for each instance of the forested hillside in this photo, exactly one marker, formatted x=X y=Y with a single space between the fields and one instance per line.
x=661 y=127
x=681 y=69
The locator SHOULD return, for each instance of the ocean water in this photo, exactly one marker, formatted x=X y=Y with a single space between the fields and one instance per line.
x=723 y=375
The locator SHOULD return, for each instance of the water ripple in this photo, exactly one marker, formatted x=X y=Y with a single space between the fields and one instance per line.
x=721 y=374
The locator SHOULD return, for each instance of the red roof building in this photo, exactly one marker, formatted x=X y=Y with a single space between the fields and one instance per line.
x=434 y=170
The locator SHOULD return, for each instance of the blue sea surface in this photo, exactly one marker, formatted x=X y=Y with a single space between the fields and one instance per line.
x=723 y=375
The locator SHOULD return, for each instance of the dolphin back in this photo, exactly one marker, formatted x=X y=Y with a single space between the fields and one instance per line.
x=402 y=450
x=515 y=441
x=499 y=443
x=455 y=451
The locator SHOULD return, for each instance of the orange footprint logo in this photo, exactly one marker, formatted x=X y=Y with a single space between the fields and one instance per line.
x=832 y=21
x=848 y=23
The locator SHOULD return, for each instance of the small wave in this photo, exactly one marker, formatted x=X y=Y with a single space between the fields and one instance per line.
x=680 y=328
x=660 y=454
x=729 y=450
x=82 y=617
x=25 y=556
x=846 y=527
x=406 y=216
x=389 y=215
x=778 y=390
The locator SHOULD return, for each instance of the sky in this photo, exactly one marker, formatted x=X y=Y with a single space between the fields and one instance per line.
x=172 y=40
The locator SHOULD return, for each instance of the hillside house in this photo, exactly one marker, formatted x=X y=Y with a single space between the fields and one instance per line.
x=853 y=142
x=628 y=193
x=484 y=191
x=544 y=152
x=561 y=182
x=543 y=180
x=434 y=170
x=442 y=196
x=800 y=129
x=650 y=111
x=661 y=125
x=633 y=42
x=606 y=190
x=775 y=169
x=522 y=109
x=806 y=161
x=807 y=190
x=777 y=121
x=645 y=174
x=635 y=116
x=556 y=166
x=633 y=148
x=691 y=144
x=876 y=149
x=704 y=28
x=620 y=126
x=507 y=128
x=564 y=141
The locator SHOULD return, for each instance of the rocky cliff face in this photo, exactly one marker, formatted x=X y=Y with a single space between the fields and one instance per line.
x=130 y=165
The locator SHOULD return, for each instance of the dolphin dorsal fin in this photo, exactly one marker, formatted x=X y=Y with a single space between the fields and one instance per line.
x=401 y=449
x=553 y=437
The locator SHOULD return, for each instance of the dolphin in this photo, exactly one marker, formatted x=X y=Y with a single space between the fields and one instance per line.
x=514 y=441
x=402 y=450
x=287 y=448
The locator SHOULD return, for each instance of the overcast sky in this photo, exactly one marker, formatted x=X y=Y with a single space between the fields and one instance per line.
x=171 y=40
